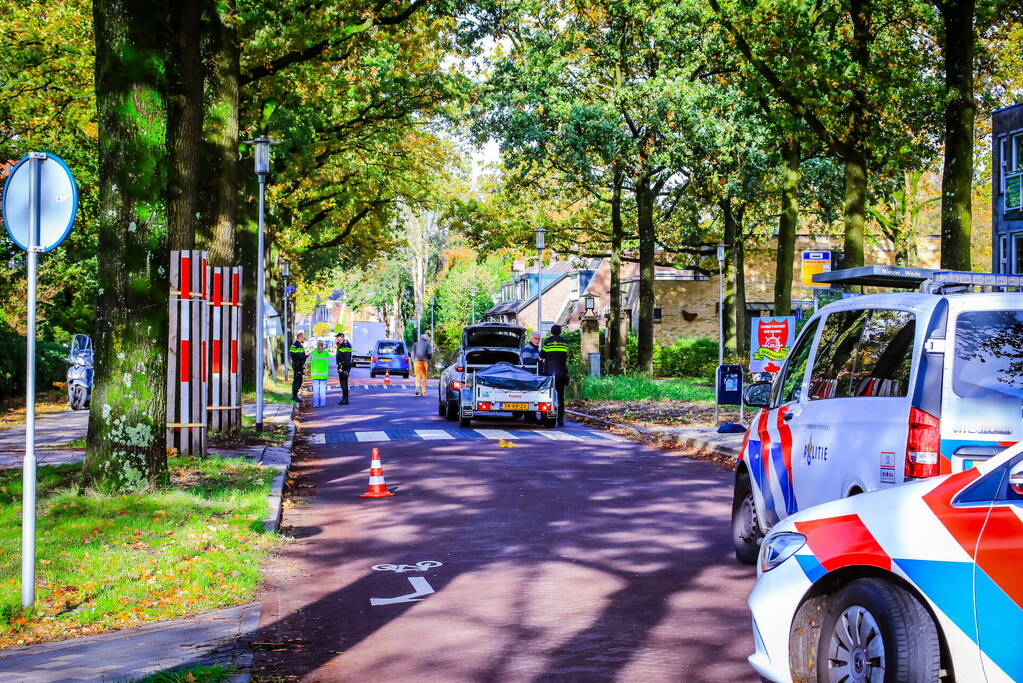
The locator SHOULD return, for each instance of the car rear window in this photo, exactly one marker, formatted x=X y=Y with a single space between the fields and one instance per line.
x=390 y=348
x=988 y=355
x=867 y=352
x=494 y=337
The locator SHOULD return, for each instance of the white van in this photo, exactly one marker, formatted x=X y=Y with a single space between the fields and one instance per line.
x=878 y=390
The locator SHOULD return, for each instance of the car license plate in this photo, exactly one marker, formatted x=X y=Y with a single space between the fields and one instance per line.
x=515 y=406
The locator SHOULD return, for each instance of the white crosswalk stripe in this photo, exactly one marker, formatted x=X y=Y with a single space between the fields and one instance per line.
x=555 y=435
x=372 y=436
x=433 y=434
x=495 y=434
x=320 y=439
x=609 y=436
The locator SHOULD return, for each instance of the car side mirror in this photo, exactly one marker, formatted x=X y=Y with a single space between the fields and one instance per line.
x=757 y=395
x=1016 y=479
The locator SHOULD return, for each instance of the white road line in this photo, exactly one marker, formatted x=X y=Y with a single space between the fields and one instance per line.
x=495 y=434
x=609 y=437
x=433 y=434
x=318 y=439
x=372 y=436
x=557 y=436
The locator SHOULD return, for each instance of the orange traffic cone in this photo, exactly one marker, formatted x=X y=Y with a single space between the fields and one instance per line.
x=387 y=378
x=377 y=485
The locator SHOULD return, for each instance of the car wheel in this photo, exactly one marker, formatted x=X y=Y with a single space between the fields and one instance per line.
x=372 y=375
x=405 y=375
x=746 y=536
x=550 y=422
x=464 y=422
x=442 y=408
x=452 y=410
x=873 y=631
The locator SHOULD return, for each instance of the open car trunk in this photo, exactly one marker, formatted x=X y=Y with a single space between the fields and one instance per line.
x=491 y=356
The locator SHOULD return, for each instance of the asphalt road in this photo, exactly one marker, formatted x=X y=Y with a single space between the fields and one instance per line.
x=582 y=559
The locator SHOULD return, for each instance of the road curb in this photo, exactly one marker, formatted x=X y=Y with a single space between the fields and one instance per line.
x=280 y=460
x=678 y=440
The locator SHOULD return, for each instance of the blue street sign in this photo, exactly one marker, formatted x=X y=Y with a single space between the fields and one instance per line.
x=57 y=203
x=290 y=289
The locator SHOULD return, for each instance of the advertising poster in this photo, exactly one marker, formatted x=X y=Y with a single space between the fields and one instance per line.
x=770 y=342
x=812 y=263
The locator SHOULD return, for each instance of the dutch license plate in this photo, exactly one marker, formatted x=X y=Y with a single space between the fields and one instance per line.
x=515 y=406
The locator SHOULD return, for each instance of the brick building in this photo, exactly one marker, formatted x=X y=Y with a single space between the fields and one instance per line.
x=1007 y=190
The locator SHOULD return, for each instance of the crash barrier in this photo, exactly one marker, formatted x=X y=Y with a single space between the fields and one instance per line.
x=186 y=353
x=224 y=407
x=203 y=351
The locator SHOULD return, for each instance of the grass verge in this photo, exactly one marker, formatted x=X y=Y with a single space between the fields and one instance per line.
x=107 y=562
x=273 y=391
x=198 y=674
x=628 y=388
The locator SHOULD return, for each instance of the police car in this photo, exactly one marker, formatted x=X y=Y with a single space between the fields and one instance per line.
x=917 y=583
x=882 y=389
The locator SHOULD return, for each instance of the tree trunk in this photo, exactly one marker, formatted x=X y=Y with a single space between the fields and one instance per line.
x=245 y=242
x=221 y=132
x=135 y=45
x=960 y=110
x=854 y=157
x=614 y=319
x=788 y=224
x=647 y=274
x=855 y=209
x=184 y=126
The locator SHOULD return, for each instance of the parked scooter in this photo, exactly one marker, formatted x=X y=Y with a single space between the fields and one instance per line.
x=79 y=372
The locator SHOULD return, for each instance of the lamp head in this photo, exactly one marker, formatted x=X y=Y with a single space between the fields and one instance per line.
x=541 y=239
x=262 y=155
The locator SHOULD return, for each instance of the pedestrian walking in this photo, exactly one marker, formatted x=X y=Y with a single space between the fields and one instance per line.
x=319 y=371
x=344 y=365
x=422 y=352
x=298 y=358
x=554 y=360
x=530 y=353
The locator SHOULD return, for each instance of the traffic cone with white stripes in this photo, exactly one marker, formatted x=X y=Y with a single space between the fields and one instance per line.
x=387 y=378
x=377 y=485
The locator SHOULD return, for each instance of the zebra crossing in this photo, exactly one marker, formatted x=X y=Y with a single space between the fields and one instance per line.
x=457 y=434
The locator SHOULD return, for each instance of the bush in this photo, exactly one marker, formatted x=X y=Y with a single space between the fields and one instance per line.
x=50 y=363
x=637 y=388
x=687 y=358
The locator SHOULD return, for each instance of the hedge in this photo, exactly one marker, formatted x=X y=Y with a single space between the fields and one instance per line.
x=51 y=364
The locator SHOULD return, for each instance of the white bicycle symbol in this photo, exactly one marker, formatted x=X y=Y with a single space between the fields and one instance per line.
x=402 y=568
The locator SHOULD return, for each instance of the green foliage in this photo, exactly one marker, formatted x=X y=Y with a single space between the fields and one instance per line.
x=463 y=275
x=199 y=674
x=687 y=358
x=50 y=363
x=638 y=388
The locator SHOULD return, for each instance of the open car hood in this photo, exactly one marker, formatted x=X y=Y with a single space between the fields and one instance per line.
x=507 y=376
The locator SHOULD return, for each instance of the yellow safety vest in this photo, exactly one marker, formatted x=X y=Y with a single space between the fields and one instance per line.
x=319 y=364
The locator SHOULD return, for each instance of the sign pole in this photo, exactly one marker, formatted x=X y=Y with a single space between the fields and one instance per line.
x=28 y=508
x=260 y=320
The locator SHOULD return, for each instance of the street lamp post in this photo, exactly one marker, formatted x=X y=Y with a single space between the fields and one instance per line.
x=541 y=243
x=262 y=158
x=285 y=272
x=721 y=329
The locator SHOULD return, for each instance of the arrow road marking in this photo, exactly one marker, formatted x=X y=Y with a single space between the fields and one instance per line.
x=419 y=583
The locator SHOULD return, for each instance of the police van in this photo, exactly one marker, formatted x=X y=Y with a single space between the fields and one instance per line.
x=881 y=389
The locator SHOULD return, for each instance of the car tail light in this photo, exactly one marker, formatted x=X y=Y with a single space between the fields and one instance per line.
x=483 y=405
x=459 y=368
x=456 y=385
x=544 y=407
x=374 y=359
x=923 y=445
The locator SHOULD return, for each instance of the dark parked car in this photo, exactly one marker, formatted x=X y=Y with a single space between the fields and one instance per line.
x=483 y=345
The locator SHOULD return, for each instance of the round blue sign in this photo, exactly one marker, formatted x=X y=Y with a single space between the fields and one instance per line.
x=57 y=201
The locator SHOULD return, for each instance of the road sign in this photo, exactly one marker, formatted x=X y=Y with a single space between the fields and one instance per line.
x=40 y=199
x=290 y=289
x=814 y=262
x=57 y=201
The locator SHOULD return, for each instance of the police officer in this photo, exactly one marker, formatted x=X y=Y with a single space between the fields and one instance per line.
x=298 y=358
x=554 y=362
x=344 y=365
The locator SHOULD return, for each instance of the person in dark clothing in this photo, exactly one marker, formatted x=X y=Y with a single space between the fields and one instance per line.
x=344 y=365
x=554 y=362
x=298 y=358
x=530 y=353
